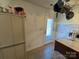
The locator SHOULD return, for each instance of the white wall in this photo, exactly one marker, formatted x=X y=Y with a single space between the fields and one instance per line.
x=67 y=26
x=4 y=3
x=35 y=22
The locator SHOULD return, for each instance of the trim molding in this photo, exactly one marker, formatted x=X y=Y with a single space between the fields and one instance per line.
x=35 y=47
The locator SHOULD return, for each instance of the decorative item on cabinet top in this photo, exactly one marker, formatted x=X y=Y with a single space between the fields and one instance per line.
x=18 y=11
x=3 y=10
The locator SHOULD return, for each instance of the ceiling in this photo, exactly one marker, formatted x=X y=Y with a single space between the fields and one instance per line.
x=46 y=3
x=43 y=3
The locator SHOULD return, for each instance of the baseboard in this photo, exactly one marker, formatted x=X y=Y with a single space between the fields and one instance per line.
x=37 y=46
x=34 y=47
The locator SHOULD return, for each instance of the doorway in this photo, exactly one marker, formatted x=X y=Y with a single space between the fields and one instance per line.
x=49 y=30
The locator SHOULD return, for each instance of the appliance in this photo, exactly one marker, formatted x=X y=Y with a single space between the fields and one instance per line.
x=74 y=35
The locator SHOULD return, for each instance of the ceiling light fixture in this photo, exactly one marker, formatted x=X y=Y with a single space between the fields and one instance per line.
x=62 y=7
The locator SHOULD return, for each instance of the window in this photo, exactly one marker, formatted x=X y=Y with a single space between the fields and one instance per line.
x=49 y=29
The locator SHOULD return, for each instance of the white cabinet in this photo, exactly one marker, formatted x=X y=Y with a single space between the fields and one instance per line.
x=18 y=29
x=9 y=53
x=15 y=52
x=5 y=30
x=12 y=43
x=20 y=51
x=1 y=55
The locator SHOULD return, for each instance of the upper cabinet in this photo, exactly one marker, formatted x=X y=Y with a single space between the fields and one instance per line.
x=11 y=30
x=5 y=30
x=18 y=29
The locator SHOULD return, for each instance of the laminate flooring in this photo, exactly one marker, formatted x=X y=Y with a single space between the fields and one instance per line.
x=45 y=52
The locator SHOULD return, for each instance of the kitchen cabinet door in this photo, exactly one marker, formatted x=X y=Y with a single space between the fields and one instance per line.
x=1 y=55
x=5 y=30
x=9 y=53
x=18 y=29
x=20 y=53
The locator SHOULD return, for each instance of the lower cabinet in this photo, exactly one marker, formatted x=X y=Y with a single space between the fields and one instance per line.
x=1 y=55
x=15 y=52
x=9 y=53
x=20 y=53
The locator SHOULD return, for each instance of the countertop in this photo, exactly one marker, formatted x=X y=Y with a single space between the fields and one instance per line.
x=71 y=44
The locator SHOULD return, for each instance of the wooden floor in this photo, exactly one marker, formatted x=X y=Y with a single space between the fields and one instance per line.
x=45 y=52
